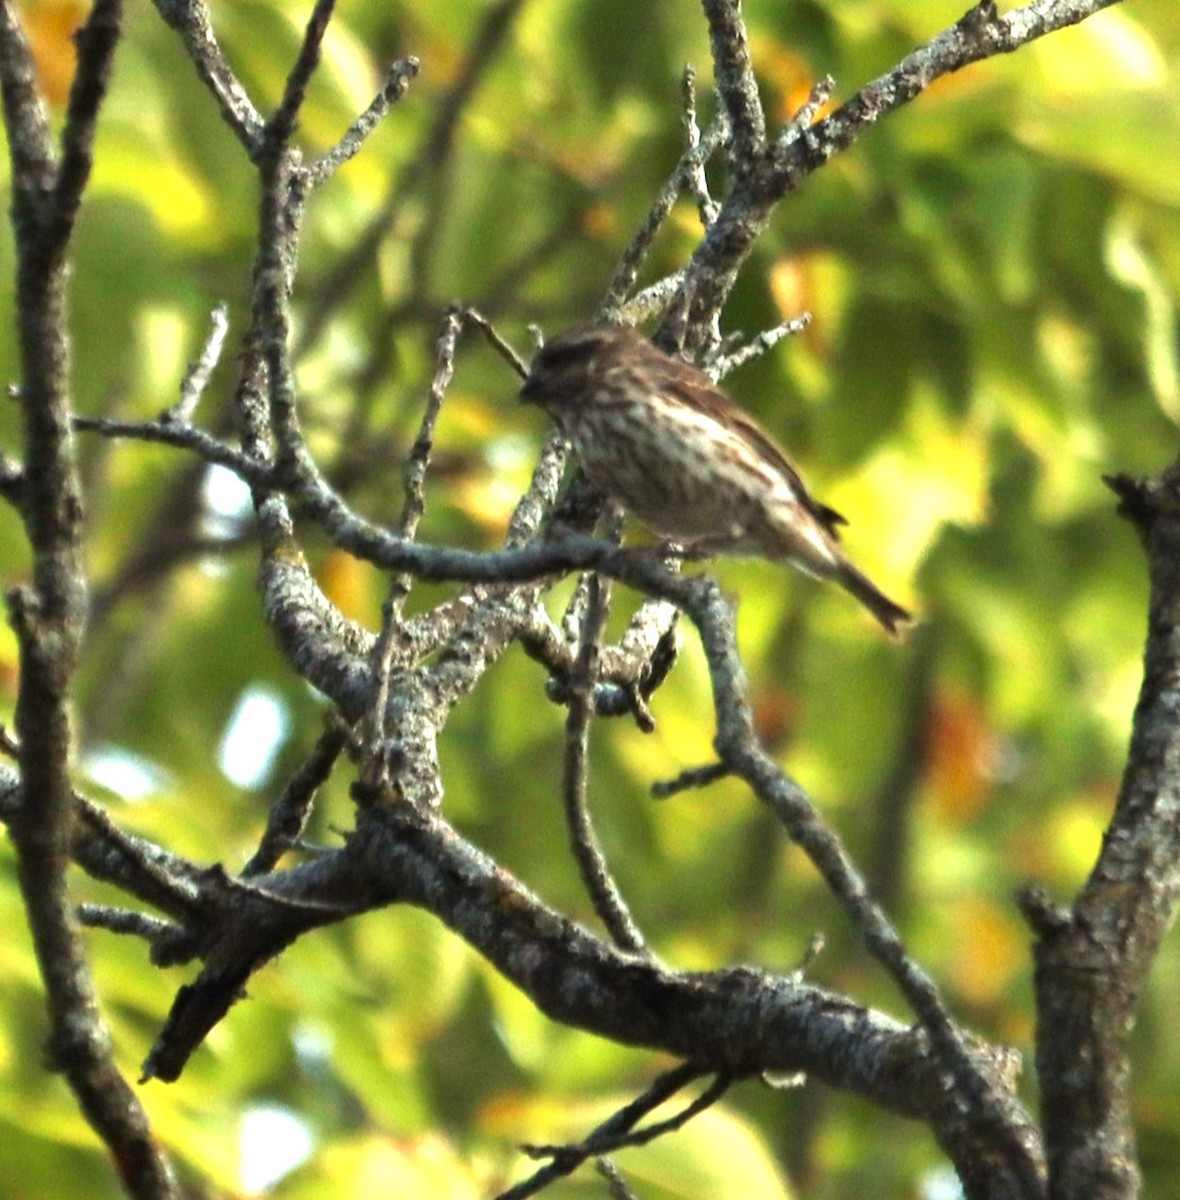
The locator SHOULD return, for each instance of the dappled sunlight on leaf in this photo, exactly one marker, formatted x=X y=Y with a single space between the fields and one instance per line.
x=717 y=1154
x=428 y=1165
x=990 y=947
x=178 y=200
x=909 y=490
x=1131 y=263
x=1137 y=148
x=1061 y=848
x=1109 y=53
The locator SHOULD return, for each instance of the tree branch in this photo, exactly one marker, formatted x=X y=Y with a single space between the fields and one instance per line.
x=48 y=614
x=1092 y=959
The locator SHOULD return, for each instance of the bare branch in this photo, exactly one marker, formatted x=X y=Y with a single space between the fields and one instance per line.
x=386 y=646
x=281 y=126
x=1093 y=958
x=603 y=890
x=397 y=83
x=734 y=73
x=34 y=169
x=48 y=613
x=185 y=437
x=289 y=813
x=616 y=1185
x=691 y=777
x=801 y=122
x=196 y=380
x=696 y=183
x=726 y=364
x=436 y=150
x=688 y=174
x=498 y=343
x=618 y=1130
x=604 y=1140
x=190 y=19
x=96 y=42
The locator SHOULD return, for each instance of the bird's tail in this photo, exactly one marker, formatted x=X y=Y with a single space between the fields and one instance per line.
x=893 y=617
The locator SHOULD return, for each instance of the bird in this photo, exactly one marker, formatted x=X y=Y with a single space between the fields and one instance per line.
x=656 y=434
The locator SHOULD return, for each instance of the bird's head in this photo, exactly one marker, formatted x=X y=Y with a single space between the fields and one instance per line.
x=563 y=368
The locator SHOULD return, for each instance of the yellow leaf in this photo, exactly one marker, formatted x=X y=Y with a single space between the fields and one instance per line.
x=423 y=1166
x=1107 y=53
x=347 y=582
x=910 y=489
x=990 y=948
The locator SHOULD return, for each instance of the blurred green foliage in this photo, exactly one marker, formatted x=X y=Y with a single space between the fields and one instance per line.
x=992 y=274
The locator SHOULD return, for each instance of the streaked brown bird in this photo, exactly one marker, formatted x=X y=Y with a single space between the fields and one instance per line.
x=660 y=437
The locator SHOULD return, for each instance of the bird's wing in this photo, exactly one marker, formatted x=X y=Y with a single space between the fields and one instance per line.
x=703 y=394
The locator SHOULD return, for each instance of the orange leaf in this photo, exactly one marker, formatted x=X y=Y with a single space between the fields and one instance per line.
x=961 y=750
x=50 y=26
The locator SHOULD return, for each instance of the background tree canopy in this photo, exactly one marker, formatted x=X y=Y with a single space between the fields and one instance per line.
x=991 y=274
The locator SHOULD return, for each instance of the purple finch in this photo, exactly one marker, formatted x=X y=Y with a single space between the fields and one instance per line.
x=660 y=437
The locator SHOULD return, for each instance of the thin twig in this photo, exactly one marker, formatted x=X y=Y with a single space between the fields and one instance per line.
x=652 y=301
x=414 y=504
x=683 y=176
x=616 y=1185
x=191 y=20
x=734 y=72
x=144 y=869
x=802 y=121
x=738 y=747
x=125 y=921
x=397 y=83
x=725 y=364
x=692 y=777
x=96 y=42
x=186 y=437
x=695 y=181
x=385 y=648
x=281 y=126
x=48 y=612
x=603 y=1141
x=196 y=379
x=289 y=813
x=663 y=1088
x=340 y=283
x=979 y=34
x=604 y=892
x=498 y=343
